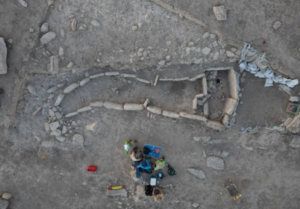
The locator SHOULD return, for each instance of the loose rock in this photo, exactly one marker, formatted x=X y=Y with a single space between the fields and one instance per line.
x=206 y=50
x=53 y=126
x=31 y=90
x=95 y=23
x=45 y=39
x=54 y=64
x=59 y=99
x=71 y=88
x=215 y=163
x=44 y=27
x=220 y=12
x=4 y=204
x=23 y=3
x=78 y=140
x=277 y=25
x=6 y=196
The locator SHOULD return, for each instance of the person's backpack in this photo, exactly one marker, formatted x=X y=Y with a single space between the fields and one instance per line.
x=171 y=170
x=146 y=150
x=148 y=190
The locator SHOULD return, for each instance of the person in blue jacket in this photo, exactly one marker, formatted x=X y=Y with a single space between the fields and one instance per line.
x=145 y=166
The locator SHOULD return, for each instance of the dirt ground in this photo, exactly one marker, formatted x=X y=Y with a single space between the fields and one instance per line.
x=145 y=38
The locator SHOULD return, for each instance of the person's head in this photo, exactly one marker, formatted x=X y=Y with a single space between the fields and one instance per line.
x=144 y=163
x=138 y=155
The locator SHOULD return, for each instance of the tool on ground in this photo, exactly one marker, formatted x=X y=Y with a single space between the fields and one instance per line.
x=153 y=181
x=138 y=175
x=116 y=187
x=232 y=190
x=92 y=168
x=171 y=170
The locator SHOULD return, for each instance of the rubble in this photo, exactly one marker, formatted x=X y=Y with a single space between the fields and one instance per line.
x=45 y=39
x=206 y=50
x=3 y=56
x=215 y=163
x=198 y=173
x=220 y=12
x=256 y=63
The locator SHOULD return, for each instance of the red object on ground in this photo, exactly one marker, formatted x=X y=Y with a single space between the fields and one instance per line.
x=264 y=42
x=92 y=168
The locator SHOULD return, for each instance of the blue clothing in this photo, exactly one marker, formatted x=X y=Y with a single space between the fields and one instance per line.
x=148 y=166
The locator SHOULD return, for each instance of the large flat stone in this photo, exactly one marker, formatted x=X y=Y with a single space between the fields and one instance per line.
x=117 y=193
x=215 y=163
x=198 y=173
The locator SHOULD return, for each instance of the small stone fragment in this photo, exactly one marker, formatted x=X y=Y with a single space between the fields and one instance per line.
x=78 y=140
x=134 y=28
x=45 y=39
x=73 y=24
x=168 y=57
x=71 y=114
x=220 y=12
x=206 y=50
x=95 y=23
x=53 y=126
x=51 y=90
x=84 y=109
x=70 y=65
x=4 y=204
x=146 y=103
x=23 y=3
x=61 y=51
x=206 y=35
x=44 y=27
x=277 y=25
x=59 y=99
x=54 y=64
x=70 y=88
x=229 y=53
x=84 y=81
x=31 y=90
x=6 y=196
x=31 y=30
x=215 y=163
x=195 y=205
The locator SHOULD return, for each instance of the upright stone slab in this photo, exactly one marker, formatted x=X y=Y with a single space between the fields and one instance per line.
x=233 y=84
x=3 y=56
